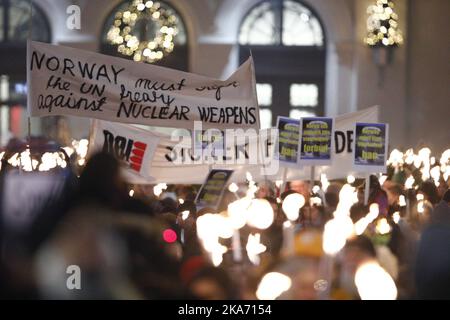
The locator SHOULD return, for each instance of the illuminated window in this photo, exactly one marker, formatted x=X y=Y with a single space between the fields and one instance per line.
x=288 y=45
x=299 y=27
x=15 y=22
x=304 y=95
x=15 y=16
x=297 y=114
x=265 y=117
x=12 y=108
x=264 y=92
x=258 y=27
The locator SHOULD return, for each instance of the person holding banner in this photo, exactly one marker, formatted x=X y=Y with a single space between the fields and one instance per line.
x=378 y=195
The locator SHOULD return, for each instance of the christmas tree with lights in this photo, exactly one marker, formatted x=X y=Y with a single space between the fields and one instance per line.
x=382 y=25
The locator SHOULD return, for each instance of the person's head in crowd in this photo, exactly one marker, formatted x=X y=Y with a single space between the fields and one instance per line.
x=278 y=214
x=432 y=269
x=394 y=191
x=265 y=189
x=207 y=282
x=429 y=191
x=374 y=183
x=286 y=193
x=378 y=195
x=356 y=251
x=152 y=257
x=303 y=187
x=441 y=212
x=446 y=197
x=205 y=210
x=304 y=273
x=185 y=192
x=101 y=181
x=168 y=204
x=137 y=205
x=313 y=216
x=358 y=211
x=189 y=217
x=421 y=214
x=332 y=195
x=443 y=187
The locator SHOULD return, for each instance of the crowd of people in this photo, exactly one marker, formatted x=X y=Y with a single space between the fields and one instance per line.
x=131 y=243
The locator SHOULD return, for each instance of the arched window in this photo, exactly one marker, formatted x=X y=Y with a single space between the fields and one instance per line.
x=15 y=22
x=146 y=30
x=15 y=29
x=287 y=42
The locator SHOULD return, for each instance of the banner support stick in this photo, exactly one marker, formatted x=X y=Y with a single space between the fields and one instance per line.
x=367 y=189
x=312 y=177
x=408 y=205
x=236 y=245
x=283 y=185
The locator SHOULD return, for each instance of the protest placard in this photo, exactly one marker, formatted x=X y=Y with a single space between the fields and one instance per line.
x=213 y=188
x=67 y=81
x=288 y=135
x=133 y=146
x=316 y=141
x=370 y=147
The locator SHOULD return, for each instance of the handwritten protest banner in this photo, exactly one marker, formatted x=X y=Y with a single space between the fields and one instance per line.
x=68 y=81
x=316 y=141
x=288 y=134
x=370 y=147
x=212 y=190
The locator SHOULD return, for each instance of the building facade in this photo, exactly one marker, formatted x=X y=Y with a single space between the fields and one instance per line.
x=310 y=58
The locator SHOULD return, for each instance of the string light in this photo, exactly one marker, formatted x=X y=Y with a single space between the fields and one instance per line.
x=382 y=25
x=128 y=44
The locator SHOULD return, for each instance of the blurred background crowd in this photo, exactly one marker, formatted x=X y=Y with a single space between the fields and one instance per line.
x=267 y=240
